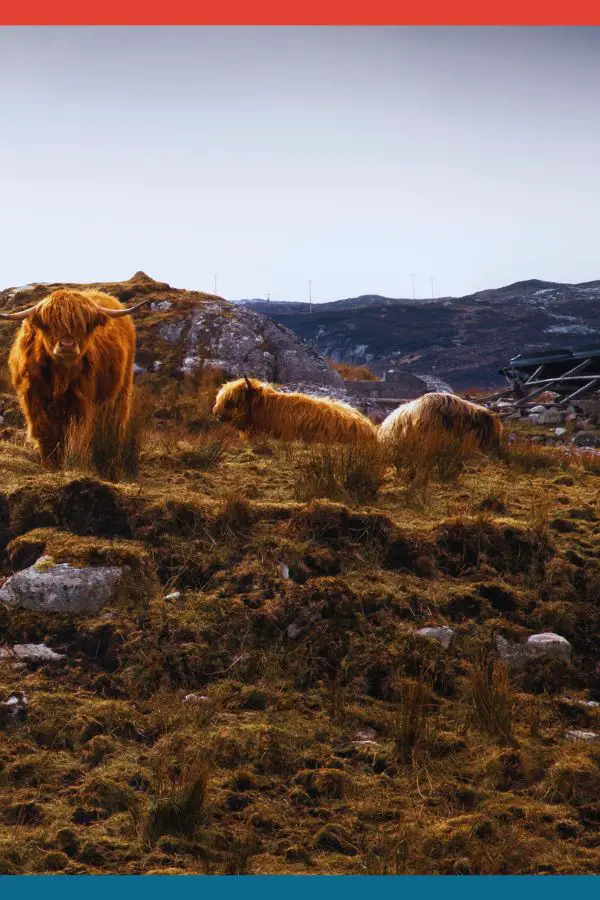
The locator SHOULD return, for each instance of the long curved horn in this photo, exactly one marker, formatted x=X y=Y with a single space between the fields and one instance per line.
x=117 y=313
x=22 y=314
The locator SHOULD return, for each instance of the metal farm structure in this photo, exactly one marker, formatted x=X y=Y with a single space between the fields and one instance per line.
x=572 y=375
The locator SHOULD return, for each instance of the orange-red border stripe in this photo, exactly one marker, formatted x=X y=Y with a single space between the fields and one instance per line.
x=298 y=12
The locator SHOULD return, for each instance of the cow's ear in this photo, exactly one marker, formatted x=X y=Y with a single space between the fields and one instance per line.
x=36 y=322
x=98 y=320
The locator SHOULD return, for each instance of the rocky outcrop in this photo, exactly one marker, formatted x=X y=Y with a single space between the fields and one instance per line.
x=182 y=330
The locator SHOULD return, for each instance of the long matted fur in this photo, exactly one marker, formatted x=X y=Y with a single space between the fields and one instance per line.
x=445 y=413
x=257 y=407
x=55 y=392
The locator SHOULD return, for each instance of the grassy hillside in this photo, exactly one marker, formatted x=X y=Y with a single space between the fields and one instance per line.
x=324 y=736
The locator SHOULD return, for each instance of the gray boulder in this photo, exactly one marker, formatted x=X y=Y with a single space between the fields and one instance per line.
x=60 y=588
x=546 y=644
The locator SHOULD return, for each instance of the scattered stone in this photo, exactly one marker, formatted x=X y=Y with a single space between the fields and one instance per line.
x=300 y=626
x=285 y=570
x=586 y=439
x=534 y=418
x=61 y=588
x=503 y=404
x=440 y=633
x=36 y=652
x=551 y=417
x=195 y=698
x=15 y=707
x=587 y=736
x=367 y=736
x=546 y=644
x=560 y=431
x=174 y=595
x=537 y=409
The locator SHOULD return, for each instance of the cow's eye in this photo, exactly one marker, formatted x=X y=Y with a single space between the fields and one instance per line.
x=42 y=326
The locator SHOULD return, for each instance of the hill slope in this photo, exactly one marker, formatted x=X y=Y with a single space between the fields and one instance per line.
x=464 y=340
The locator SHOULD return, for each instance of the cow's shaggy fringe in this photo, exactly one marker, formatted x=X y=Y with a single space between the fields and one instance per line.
x=443 y=414
x=256 y=407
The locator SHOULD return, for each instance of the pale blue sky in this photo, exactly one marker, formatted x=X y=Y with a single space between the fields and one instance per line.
x=350 y=156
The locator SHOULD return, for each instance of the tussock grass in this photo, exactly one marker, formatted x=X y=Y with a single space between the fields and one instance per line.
x=422 y=457
x=179 y=805
x=411 y=724
x=492 y=700
x=345 y=472
x=103 y=447
x=525 y=456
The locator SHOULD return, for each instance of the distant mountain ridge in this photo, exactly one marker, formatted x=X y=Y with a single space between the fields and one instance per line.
x=464 y=339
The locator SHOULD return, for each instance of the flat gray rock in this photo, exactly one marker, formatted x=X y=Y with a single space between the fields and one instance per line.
x=589 y=737
x=61 y=588
x=442 y=634
x=30 y=651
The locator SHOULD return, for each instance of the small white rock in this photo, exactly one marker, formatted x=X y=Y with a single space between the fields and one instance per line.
x=175 y=595
x=588 y=736
x=560 y=431
x=285 y=570
x=367 y=735
x=440 y=633
x=16 y=704
x=195 y=698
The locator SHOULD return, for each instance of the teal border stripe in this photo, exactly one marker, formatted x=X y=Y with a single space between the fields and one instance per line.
x=290 y=887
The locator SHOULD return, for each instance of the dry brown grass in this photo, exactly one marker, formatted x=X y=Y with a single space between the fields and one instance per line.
x=102 y=447
x=347 y=472
x=351 y=372
x=421 y=458
x=179 y=801
x=411 y=723
x=492 y=699
x=323 y=738
x=525 y=456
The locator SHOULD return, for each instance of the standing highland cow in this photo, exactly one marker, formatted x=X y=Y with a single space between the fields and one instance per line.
x=73 y=354
x=443 y=414
x=256 y=407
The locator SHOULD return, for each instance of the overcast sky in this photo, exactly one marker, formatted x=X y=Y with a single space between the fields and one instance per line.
x=270 y=156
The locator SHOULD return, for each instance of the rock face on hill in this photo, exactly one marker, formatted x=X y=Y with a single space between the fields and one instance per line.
x=463 y=340
x=181 y=330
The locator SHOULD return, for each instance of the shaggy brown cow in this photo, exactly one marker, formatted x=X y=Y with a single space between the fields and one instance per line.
x=443 y=413
x=256 y=407
x=73 y=351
